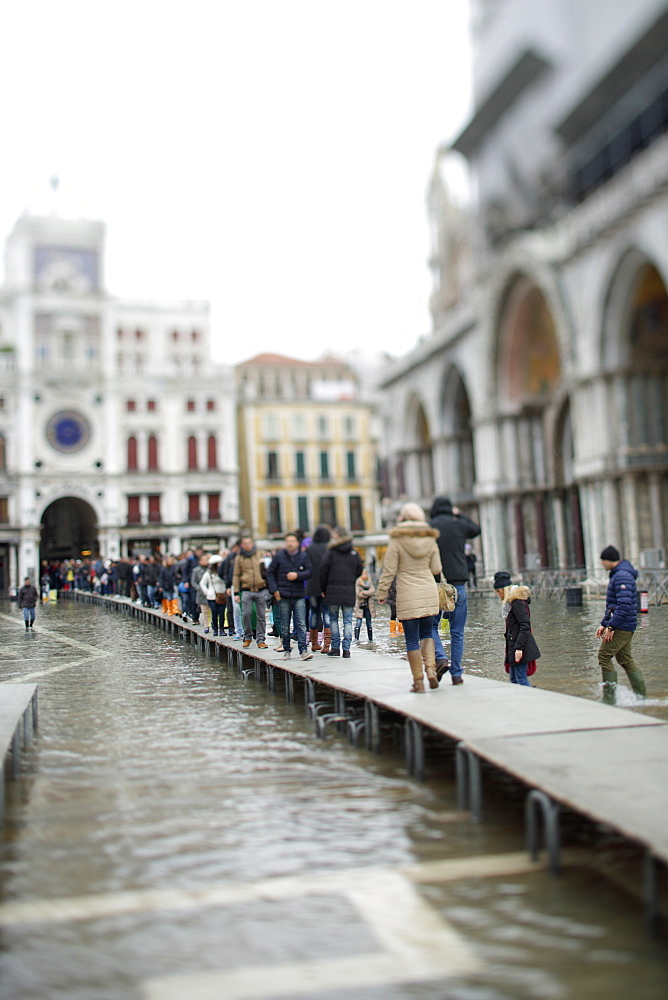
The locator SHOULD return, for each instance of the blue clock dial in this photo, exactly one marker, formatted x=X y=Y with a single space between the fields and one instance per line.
x=67 y=432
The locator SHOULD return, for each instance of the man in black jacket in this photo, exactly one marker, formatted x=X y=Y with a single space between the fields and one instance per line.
x=454 y=530
x=287 y=572
x=26 y=600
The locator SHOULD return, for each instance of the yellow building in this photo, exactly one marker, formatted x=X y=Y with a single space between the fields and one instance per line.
x=307 y=452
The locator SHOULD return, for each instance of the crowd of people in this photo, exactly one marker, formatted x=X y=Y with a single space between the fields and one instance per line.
x=312 y=589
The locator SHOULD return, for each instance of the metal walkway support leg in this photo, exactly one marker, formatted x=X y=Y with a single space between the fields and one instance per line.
x=16 y=753
x=536 y=800
x=372 y=726
x=271 y=680
x=309 y=694
x=415 y=749
x=289 y=687
x=469 y=785
x=651 y=895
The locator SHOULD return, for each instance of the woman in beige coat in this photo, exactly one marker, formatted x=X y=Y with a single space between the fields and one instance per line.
x=413 y=557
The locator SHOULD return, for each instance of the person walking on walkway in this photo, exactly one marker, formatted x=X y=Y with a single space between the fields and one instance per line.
x=27 y=599
x=364 y=603
x=200 y=608
x=318 y=609
x=340 y=567
x=454 y=529
x=521 y=648
x=249 y=582
x=413 y=557
x=167 y=583
x=286 y=576
x=618 y=625
x=214 y=589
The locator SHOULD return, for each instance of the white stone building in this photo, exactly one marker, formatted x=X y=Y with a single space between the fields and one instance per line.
x=117 y=433
x=539 y=402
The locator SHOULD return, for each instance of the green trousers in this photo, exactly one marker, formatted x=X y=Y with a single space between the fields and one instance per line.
x=619 y=647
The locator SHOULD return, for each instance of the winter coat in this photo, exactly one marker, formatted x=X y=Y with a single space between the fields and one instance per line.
x=167 y=577
x=212 y=584
x=316 y=551
x=27 y=596
x=413 y=557
x=249 y=572
x=284 y=563
x=364 y=591
x=339 y=569
x=621 y=602
x=454 y=529
x=518 y=626
x=195 y=583
x=227 y=568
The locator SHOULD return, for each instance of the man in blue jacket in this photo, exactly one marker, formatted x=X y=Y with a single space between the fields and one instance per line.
x=618 y=625
x=286 y=576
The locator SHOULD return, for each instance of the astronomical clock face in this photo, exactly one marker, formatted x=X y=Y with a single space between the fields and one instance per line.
x=66 y=269
x=68 y=432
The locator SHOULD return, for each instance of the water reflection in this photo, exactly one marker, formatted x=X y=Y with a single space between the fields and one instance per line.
x=159 y=770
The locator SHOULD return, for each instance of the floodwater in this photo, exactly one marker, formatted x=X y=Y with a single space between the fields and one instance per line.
x=178 y=832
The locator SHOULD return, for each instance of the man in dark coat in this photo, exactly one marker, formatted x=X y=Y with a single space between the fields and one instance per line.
x=618 y=625
x=319 y=610
x=26 y=600
x=287 y=572
x=339 y=569
x=454 y=531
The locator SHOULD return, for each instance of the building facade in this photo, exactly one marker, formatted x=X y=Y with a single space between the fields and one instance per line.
x=307 y=449
x=117 y=434
x=540 y=400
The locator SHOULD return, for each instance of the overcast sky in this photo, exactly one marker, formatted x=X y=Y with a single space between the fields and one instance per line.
x=271 y=156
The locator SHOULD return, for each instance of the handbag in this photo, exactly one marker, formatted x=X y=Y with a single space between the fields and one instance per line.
x=221 y=598
x=531 y=668
x=447 y=596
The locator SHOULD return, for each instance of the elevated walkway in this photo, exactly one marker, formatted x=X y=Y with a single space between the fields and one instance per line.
x=18 y=712
x=603 y=762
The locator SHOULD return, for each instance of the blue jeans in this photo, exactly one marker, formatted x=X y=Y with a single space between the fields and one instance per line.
x=518 y=673
x=217 y=616
x=28 y=614
x=295 y=606
x=318 y=609
x=416 y=629
x=347 y=614
x=457 y=622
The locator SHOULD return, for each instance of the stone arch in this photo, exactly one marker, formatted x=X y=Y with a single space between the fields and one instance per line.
x=418 y=455
x=457 y=435
x=69 y=529
x=528 y=357
x=634 y=332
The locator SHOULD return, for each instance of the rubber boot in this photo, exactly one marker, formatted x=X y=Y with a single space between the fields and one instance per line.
x=637 y=682
x=609 y=686
x=369 y=632
x=326 y=640
x=400 y=628
x=357 y=630
x=429 y=659
x=165 y=606
x=393 y=626
x=415 y=661
x=315 y=645
x=174 y=606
